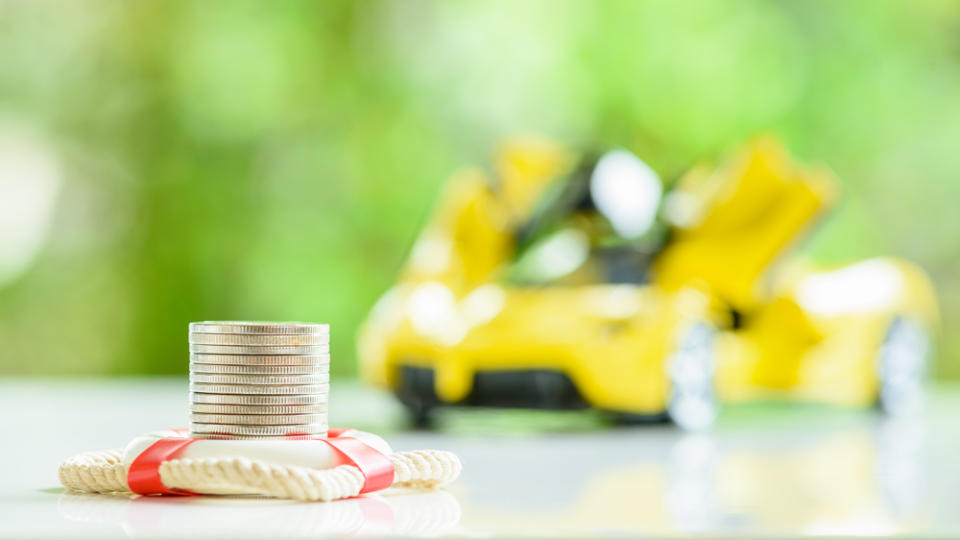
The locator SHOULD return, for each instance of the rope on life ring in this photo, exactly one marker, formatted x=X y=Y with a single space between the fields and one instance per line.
x=104 y=472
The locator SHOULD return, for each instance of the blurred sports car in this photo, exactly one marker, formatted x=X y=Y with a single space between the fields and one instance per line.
x=569 y=281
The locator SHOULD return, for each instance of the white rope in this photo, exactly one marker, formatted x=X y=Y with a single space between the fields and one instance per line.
x=97 y=472
x=103 y=472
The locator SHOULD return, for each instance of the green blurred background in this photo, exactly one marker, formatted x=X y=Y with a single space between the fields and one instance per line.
x=163 y=162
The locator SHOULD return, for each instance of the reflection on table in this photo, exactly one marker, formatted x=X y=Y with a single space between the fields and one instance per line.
x=870 y=478
x=403 y=514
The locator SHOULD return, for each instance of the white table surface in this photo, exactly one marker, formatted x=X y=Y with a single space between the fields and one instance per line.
x=781 y=471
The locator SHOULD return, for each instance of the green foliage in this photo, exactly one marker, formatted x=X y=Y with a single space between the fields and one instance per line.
x=228 y=160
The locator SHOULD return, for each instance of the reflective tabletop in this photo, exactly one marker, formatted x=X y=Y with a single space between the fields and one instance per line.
x=771 y=470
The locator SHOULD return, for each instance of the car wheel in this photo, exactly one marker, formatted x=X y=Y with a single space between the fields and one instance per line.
x=419 y=416
x=634 y=419
x=902 y=366
x=416 y=392
x=692 y=403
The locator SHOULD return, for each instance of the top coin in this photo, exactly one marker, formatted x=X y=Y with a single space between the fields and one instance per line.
x=254 y=327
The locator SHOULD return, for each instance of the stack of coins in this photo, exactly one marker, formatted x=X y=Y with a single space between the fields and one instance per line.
x=254 y=380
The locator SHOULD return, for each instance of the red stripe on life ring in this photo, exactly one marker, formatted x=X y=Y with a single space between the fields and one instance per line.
x=144 y=474
x=377 y=469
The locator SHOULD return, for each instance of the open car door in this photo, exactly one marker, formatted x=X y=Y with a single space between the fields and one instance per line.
x=730 y=226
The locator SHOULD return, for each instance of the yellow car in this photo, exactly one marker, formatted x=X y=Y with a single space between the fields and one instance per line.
x=565 y=281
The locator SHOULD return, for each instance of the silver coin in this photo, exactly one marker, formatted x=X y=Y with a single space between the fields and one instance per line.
x=257 y=389
x=253 y=327
x=261 y=360
x=207 y=408
x=226 y=369
x=258 y=400
x=261 y=380
x=240 y=429
x=259 y=419
x=259 y=340
x=259 y=351
x=317 y=435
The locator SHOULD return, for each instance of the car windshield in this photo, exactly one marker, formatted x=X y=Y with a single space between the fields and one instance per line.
x=598 y=225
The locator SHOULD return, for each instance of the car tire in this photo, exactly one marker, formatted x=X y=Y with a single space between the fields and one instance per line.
x=419 y=416
x=636 y=419
x=692 y=403
x=902 y=364
x=416 y=392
